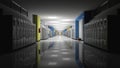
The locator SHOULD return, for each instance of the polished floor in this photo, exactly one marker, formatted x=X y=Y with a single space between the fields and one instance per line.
x=64 y=52
x=58 y=53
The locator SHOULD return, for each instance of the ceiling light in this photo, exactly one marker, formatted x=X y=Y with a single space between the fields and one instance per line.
x=54 y=55
x=52 y=63
x=55 y=51
x=52 y=17
x=64 y=49
x=56 y=48
x=65 y=53
x=66 y=58
x=67 y=20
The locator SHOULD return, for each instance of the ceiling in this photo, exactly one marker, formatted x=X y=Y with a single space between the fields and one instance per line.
x=58 y=11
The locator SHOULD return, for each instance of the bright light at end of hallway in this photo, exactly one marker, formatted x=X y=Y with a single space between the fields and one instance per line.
x=59 y=39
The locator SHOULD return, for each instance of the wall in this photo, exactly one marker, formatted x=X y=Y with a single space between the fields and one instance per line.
x=81 y=29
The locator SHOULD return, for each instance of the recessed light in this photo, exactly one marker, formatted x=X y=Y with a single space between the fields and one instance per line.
x=66 y=58
x=67 y=20
x=64 y=49
x=52 y=17
x=56 y=48
x=55 y=51
x=52 y=63
x=64 y=53
x=53 y=22
x=54 y=55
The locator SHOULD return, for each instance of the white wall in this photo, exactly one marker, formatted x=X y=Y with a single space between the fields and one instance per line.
x=73 y=31
x=81 y=29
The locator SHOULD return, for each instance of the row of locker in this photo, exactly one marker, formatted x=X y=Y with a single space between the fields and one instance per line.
x=100 y=31
x=18 y=30
x=69 y=33
x=16 y=33
x=50 y=34
x=24 y=58
x=55 y=33
x=45 y=32
x=23 y=33
x=96 y=33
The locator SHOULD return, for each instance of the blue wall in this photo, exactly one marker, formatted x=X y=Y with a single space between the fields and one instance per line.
x=81 y=16
x=52 y=29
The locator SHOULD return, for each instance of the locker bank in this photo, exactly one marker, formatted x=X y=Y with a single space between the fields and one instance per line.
x=59 y=34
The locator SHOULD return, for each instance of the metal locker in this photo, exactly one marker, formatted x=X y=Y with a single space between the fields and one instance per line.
x=93 y=32
x=92 y=35
x=100 y=38
x=97 y=33
x=105 y=33
x=95 y=23
x=99 y=25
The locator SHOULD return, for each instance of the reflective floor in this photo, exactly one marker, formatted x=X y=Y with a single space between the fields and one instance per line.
x=60 y=52
x=63 y=52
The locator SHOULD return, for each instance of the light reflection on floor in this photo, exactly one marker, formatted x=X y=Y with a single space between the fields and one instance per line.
x=59 y=55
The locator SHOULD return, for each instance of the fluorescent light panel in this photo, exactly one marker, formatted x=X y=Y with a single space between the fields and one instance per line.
x=65 y=53
x=67 y=20
x=52 y=63
x=54 y=55
x=64 y=49
x=55 y=51
x=52 y=17
x=66 y=58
